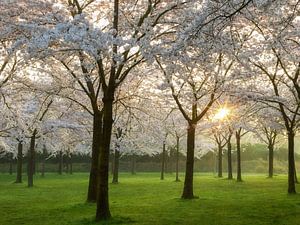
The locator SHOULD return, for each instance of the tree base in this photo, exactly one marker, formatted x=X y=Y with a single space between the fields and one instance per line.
x=91 y=201
x=292 y=192
x=190 y=197
x=104 y=218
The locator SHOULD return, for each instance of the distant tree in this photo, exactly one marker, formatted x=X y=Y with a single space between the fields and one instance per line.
x=268 y=129
x=19 y=162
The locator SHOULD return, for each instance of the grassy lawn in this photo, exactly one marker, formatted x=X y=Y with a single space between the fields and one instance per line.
x=144 y=199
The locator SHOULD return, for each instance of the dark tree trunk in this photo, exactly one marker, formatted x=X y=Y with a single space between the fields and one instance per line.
x=60 y=162
x=97 y=136
x=67 y=161
x=296 y=178
x=19 y=162
x=31 y=158
x=34 y=162
x=43 y=161
x=170 y=165
x=291 y=163
x=188 y=180
x=36 y=166
x=220 y=164
x=177 y=159
x=271 y=159
x=103 y=212
x=11 y=163
x=133 y=165
x=229 y=159
x=162 y=172
x=116 y=167
x=71 y=164
x=238 y=154
x=117 y=156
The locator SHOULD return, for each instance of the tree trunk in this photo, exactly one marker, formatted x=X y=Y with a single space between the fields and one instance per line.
x=34 y=162
x=67 y=158
x=43 y=161
x=188 y=180
x=177 y=159
x=291 y=163
x=71 y=164
x=103 y=212
x=31 y=158
x=60 y=162
x=220 y=164
x=68 y=162
x=271 y=159
x=229 y=159
x=36 y=166
x=116 y=166
x=170 y=166
x=97 y=136
x=133 y=165
x=19 y=162
x=162 y=172
x=238 y=154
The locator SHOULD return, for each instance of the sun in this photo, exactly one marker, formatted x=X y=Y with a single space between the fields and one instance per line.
x=221 y=113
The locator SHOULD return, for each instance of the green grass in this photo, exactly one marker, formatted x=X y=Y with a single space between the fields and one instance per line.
x=144 y=199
